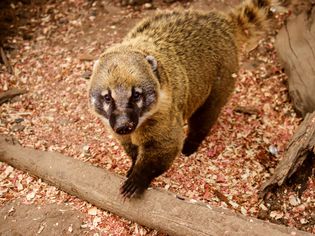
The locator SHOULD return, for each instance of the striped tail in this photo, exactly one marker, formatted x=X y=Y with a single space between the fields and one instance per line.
x=252 y=19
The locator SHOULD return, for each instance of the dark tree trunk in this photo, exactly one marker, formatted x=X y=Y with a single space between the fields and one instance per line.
x=295 y=44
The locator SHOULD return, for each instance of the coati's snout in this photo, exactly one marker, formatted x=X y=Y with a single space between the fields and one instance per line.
x=119 y=107
x=124 y=121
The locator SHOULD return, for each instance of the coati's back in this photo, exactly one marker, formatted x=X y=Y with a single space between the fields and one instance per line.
x=197 y=50
x=193 y=48
x=189 y=36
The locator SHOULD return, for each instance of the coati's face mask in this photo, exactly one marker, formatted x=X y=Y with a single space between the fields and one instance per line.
x=124 y=98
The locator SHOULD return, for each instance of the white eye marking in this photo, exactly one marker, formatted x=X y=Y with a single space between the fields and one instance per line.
x=103 y=93
x=140 y=103
x=105 y=106
x=139 y=90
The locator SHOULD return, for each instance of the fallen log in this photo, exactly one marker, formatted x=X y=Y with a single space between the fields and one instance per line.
x=156 y=209
x=301 y=147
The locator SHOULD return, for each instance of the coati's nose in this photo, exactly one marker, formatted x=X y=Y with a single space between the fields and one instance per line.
x=125 y=129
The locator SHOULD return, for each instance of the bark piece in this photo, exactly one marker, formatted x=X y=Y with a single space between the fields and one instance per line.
x=7 y=95
x=134 y=2
x=6 y=61
x=295 y=44
x=246 y=110
x=301 y=146
x=156 y=209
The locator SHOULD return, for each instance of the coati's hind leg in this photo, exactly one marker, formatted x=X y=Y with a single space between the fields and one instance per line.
x=199 y=126
x=200 y=123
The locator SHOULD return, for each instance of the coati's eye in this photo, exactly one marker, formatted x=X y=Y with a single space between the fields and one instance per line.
x=136 y=96
x=107 y=98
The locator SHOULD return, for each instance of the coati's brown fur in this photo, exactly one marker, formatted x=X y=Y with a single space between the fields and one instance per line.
x=171 y=68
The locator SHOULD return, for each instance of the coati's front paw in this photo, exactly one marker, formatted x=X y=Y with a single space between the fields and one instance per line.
x=190 y=147
x=133 y=186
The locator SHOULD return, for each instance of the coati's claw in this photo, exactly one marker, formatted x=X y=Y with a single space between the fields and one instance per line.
x=127 y=190
x=131 y=187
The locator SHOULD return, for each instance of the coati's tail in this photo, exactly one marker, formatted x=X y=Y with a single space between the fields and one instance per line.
x=252 y=20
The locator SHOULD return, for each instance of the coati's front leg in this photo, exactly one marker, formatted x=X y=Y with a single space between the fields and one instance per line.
x=151 y=163
x=132 y=152
x=154 y=158
x=130 y=149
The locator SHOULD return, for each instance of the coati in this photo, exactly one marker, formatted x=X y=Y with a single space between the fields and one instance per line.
x=171 y=68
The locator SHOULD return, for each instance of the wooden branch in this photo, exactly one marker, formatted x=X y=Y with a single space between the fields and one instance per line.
x=302 y=143
x=156 y=209
x=7 y=95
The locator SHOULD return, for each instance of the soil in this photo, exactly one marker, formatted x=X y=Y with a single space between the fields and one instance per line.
x=51 y=46
x=19 y=219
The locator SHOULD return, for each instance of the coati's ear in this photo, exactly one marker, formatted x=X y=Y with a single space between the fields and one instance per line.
x=152 y=61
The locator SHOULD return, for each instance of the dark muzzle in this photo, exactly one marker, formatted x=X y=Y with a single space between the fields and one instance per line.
x=125 y=128
x=124 y=122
